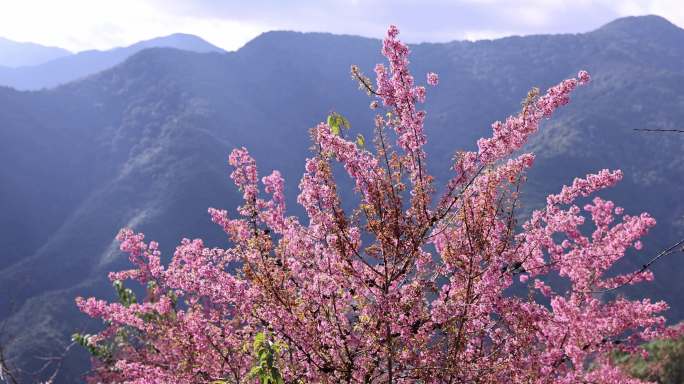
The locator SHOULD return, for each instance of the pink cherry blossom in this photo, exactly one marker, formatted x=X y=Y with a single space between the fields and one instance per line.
x=432 y=79
x=409 y=285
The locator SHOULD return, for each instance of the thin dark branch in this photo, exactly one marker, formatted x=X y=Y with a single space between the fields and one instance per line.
x=665 y=252
x=659 y=130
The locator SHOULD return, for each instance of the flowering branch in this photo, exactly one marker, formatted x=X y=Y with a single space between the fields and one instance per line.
x=408 y=285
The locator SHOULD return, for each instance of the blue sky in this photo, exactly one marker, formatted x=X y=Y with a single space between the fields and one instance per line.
x=98 y=24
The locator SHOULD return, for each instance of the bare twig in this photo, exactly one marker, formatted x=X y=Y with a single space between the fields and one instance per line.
x=678 y=246
x=7 y=373
x=659 y=130
x=46 y=374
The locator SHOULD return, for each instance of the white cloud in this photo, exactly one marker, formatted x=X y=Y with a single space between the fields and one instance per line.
x=97 y=24
x=102 y=24
x=670 y=9
x=484 y=35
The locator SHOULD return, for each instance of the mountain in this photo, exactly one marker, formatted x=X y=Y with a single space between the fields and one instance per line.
x=72 y=67
x=144 y=144
x=15 y=54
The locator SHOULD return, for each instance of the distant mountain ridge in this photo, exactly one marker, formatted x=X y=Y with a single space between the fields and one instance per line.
x=16 y=54
x=144 y=144
x=62 y=70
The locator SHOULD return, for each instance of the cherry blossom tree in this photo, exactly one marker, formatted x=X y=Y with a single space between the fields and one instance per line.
x=416 y=284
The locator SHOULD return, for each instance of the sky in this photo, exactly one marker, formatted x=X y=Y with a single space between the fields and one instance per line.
x=80 y=25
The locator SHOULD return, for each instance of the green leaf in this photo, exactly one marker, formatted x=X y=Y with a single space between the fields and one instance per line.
x=360 y=140
x=254 y=371
x=126 y=295
x=265 y=367
x=118 y=285
x=336 y=121
x=259 y=339
x=344 y=121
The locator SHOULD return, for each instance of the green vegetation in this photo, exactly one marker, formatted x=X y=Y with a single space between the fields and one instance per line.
x=663 y=363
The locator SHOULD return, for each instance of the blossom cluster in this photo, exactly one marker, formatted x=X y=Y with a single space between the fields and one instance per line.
x=404 y=287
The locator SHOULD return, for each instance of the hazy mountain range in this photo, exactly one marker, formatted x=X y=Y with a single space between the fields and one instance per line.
x=15 y=54
x=145 y=144
x=55 y=68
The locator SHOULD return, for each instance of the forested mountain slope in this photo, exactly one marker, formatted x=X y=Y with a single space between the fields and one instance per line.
x=145 y=143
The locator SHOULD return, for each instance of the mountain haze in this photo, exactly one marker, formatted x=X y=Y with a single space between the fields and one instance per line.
x=15 y=54
x=145 y=143
x=72 y=67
